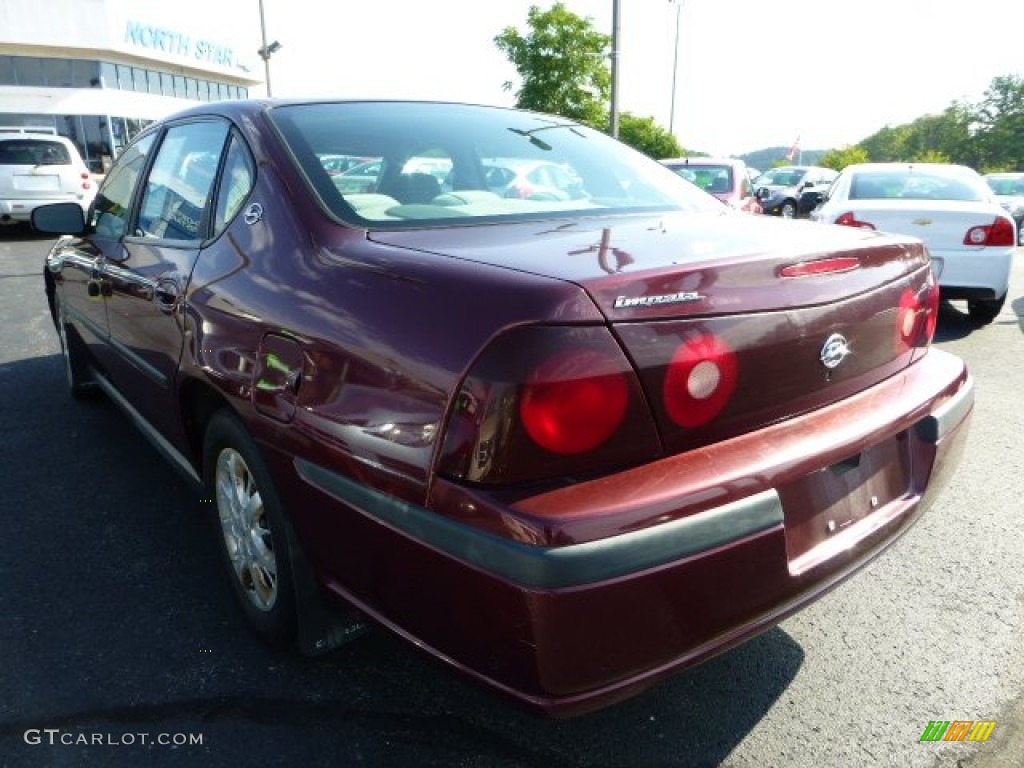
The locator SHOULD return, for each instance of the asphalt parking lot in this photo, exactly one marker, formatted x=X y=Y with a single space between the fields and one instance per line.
x=121 y=645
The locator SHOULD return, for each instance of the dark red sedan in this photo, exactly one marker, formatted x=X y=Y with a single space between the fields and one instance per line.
x=568 y=443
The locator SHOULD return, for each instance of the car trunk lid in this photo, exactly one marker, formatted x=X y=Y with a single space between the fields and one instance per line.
x=941 y=224
x=732 y=322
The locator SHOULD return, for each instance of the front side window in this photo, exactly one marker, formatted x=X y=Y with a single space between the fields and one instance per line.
x=434 y=164
x=113 y=201
x=178 y=190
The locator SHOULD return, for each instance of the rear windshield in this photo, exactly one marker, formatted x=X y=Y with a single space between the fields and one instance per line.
x=919 y=183
x=426 y=164
x=1006 y=185
x=33 y=152
x=710 y=178
x=782 y=177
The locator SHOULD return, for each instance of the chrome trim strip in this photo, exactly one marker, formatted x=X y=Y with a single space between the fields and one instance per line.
x=556 y=567
x=128 y=276
x=946 y=417
x=71 y=313
x=148 y=370
x=159 y=442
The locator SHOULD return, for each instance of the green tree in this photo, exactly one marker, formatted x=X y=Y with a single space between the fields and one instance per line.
x=887 y=145
x=645 y=135
x=1001 y=124
x=562 y=63
x=837 y=159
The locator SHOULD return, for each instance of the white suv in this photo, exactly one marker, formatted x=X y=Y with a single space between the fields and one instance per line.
x=36 y=169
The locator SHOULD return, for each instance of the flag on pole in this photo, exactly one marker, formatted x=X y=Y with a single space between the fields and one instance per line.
x=793 y=150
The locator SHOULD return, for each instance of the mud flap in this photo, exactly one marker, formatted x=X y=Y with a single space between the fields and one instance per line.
x=320 y=629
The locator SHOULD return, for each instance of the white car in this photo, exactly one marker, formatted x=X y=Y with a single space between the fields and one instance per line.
x=971 y=238
x=36 y=169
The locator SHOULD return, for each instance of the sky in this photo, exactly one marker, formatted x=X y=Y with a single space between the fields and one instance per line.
x=751 y=73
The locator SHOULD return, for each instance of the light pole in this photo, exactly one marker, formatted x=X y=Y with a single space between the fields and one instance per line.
x=266 y=51
x=614 y=117
x=675 y=70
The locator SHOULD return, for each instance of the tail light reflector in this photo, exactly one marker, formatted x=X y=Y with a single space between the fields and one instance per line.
x=849 y=219
x=821 y=266
x=999 y=232
x=700 y=380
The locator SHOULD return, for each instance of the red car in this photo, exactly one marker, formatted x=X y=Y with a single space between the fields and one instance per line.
x=568 y=446
x=726 y=178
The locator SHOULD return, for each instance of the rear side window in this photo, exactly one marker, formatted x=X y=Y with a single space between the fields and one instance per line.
x=33 y=152
x=236 y=184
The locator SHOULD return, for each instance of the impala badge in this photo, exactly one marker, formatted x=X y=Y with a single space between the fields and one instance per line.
x=625 y=302
x=834 y=351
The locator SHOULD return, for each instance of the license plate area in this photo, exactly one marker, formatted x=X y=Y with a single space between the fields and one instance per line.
x=829 y=510
x=43 y=182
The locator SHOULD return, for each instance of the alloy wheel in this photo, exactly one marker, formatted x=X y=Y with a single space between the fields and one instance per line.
x=246 y=528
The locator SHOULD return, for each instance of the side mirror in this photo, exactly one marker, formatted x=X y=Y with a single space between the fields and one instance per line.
x=59 y=219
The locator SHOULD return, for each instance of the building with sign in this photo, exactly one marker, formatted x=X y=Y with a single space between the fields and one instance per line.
x=97 y=71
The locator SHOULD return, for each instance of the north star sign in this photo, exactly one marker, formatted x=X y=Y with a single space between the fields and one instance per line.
x=170 y=41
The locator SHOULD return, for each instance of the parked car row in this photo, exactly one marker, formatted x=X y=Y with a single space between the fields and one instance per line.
x=971 y=237
x=971 y=224
x=790 y=191
x=728 y=179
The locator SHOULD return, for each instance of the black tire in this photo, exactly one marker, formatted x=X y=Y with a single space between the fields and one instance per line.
x=252 y=529
x=788 y=210
x=79 y=379
x=984 y=311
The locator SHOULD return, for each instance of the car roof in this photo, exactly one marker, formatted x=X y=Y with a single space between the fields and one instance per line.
x=733 y=161
x=904 y=166
x=39 y=136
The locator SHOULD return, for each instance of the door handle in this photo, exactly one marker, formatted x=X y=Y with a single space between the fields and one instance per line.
x=167 y=294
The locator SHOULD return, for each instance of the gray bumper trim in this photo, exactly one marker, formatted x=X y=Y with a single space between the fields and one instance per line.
x=939 y=424
x=557 y=567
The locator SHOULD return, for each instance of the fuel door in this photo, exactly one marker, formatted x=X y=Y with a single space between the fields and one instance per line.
x=278 y=377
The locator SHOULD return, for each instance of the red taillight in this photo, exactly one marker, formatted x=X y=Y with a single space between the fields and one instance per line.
x=918 y=315
x=999 y=232
x=548 y=402
x=700 y=380
x=849 y=219
x=574 y=401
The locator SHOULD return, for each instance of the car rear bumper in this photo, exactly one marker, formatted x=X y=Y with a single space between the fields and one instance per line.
x=653 y=569
x=973 y=274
